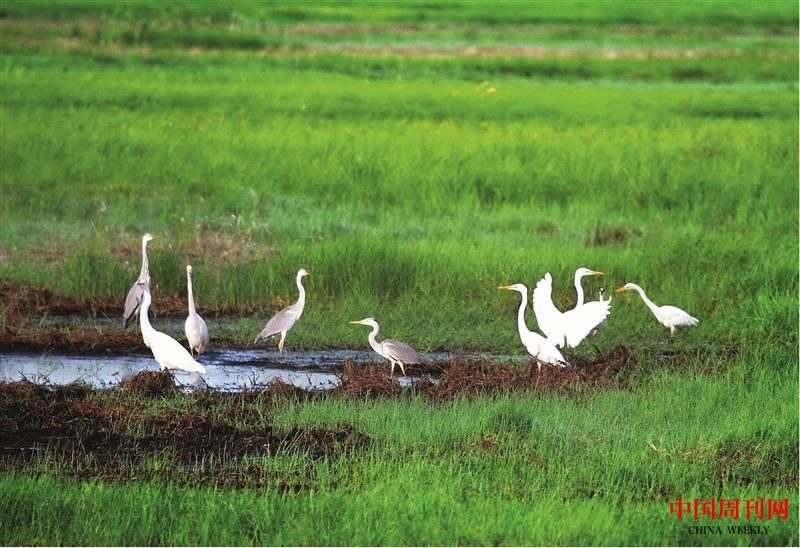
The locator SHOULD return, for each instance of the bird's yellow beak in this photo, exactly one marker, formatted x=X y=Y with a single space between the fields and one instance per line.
x=598 y=273
x=620 y=290
x=503 y=287
x=356 y=321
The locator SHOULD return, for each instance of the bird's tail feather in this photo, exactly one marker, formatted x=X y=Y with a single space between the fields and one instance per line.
x=197 y=368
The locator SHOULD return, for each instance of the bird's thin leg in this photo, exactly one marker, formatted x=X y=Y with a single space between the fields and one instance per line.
x=391 y=373
x=671 y=330
x=280 y=344
x=402 y=368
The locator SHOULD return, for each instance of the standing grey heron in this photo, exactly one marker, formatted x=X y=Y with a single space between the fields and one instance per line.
x=669 y=316
x=169 y=353
x=195 y=328
x=536 y=345
x=396 y=352
x=283 y=321
x=601 y=297
x=134 y=298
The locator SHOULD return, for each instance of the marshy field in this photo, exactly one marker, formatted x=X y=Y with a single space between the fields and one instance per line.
x=412 y=157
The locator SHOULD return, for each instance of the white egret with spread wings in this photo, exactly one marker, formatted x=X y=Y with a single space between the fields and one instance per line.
x=571 y=327
x=283 y=321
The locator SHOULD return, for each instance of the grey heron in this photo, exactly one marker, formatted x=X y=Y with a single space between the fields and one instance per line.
x=283 y=321
x=168 y=352
x=669 y=316
x=396 y=352
x=195 y=328
x=134 y=297
x=601 y=297
x=536 y=345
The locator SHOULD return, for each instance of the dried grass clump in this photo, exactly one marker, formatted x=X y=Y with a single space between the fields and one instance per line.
x=366 y=381
x=151 y=384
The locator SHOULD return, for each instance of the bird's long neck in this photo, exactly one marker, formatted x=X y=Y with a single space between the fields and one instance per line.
x=650 y=304
x=579 y=289
x=373 y=342
x=144 y=321
x=144 y=274
x=192 y=309
x=523 y=328
x=301 y=300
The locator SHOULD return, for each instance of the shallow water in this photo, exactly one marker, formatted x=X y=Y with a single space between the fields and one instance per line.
x=228 y=369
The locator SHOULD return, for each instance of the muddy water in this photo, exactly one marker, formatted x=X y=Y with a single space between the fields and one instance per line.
x=228 y=369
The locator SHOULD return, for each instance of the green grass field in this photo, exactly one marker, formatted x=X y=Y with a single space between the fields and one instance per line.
x=413 y=157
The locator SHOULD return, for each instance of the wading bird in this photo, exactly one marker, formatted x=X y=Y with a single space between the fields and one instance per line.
x=168 y=352
x=195 y=328
x=571 y=327
x=283 y=321
x=600 y=298
x=579 y=274
x=537 y=346
x=134 y=298
x=396 y=352
x=669 y=316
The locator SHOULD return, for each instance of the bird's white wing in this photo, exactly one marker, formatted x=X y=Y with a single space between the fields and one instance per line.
x=541 y=349
x=579 y=322
x=196 y=332
x=676 y=316
x=203 y=332
x=170 y=354
x=547 y=315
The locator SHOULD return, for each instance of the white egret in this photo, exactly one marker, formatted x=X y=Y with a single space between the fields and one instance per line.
x=571 y=327
x=396 y=352
x=537 y=346
x=283 y=321
x=168 y=352
x=195 y=328
x=580 y=273
x=134 y=298
x=669 y=316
